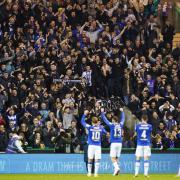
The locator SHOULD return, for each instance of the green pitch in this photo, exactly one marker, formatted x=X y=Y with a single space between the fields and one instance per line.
x=83 y=177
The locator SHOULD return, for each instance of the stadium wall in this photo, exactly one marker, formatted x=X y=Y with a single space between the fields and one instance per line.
x=74 y=163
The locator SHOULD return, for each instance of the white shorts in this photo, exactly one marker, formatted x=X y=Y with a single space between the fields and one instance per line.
x=94 y=152
x=115 y=150
x=142 y=151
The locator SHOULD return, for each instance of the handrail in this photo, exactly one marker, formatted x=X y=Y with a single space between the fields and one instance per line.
x=105 y=149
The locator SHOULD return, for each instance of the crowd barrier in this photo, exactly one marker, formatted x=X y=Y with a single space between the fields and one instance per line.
x=74 y=163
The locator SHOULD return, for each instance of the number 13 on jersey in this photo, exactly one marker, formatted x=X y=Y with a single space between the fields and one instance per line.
x=117 y=132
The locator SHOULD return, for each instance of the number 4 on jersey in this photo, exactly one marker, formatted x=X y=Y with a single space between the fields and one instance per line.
x=143 y=135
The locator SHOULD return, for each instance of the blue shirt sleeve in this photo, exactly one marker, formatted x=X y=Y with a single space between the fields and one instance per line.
x=122 y=118
x=104 y=131
x=83 y=122
x=151 y=128
x=105 y=119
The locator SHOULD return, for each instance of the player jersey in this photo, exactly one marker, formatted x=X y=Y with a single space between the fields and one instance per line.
x=95 y=132
x=143 y=131
x=115 y=128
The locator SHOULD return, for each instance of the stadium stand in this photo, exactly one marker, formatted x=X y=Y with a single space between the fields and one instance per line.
x=58 y=58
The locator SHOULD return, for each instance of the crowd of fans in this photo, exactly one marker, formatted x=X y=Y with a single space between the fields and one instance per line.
x=58 y=57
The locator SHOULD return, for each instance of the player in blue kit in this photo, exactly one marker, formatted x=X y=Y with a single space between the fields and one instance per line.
x=95 y=132
x=116 y=127
x=143 y=149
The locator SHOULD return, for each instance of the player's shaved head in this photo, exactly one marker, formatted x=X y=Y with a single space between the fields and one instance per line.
x=95 y=120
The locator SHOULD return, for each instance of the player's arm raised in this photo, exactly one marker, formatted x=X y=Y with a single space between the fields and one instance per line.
x=104 y=118
x=122 y=116
x=83 y=119
x=105 y=132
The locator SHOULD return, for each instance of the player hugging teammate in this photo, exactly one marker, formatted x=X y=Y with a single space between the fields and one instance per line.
x=95 y=131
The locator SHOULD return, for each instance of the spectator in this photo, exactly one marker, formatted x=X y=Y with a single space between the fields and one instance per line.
x=158 y=144
x=2 y=121
x=168 y=33
x=75 y=146
x=49 y=134
x=134 y=104
x=3 y=97
x=92 y=33
x=38 y=141
x=155 y=121
x=169 y=121
x=25 y=130
x=44 y=112
x=67 y=117
x=161 y=130
x=3 y=138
